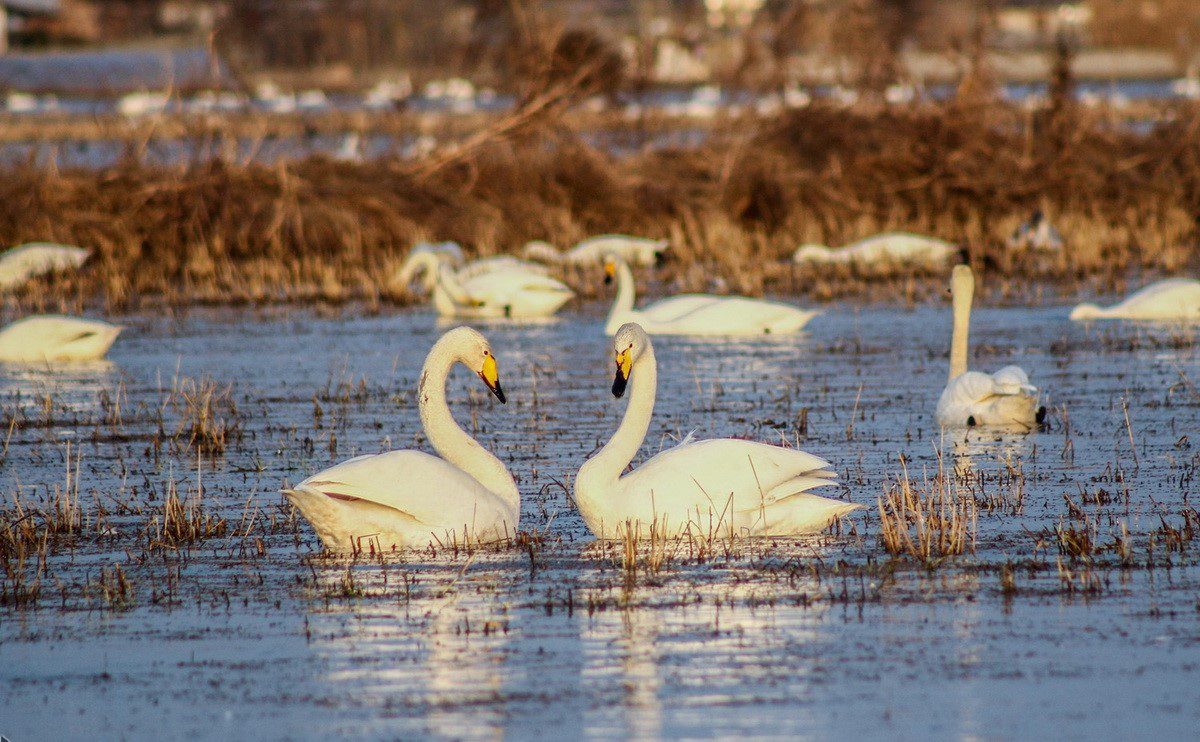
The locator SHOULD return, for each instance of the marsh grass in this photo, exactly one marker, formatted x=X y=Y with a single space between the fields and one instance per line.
x=734 y=206
x=928 y=521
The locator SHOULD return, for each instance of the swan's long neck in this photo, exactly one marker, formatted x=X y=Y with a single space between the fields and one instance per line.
x=603 y=470
x=451 y=441
x=422 y=262
x=622 y=306
x=962 y=291
x=447 y=282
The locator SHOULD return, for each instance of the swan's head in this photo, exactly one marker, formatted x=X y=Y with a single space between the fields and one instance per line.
x=1086 y=311
x=611 y=261
x=424 y=261
x=812 y=253
x=628 y=345
x=474 y=351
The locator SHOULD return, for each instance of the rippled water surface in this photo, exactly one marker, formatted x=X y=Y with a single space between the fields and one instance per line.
x=252 y=632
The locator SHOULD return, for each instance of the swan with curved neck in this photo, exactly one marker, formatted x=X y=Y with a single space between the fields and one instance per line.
x=699 y=314
x=638 y=251
x=56 y=338
x=504 y=289
x=410 y=499
x=1004 y=399
x=713 y=487
x=895 y=249
x=1170 y=299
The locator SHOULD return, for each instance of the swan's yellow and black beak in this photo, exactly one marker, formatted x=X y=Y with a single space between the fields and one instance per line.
x=610 y=271
x=491 y=377
x=624 y=364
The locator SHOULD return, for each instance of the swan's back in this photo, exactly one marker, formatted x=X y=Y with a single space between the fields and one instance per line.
x=1172 y=298
x=54 y=337
x=726 y=483
x=901 y=247
x=425 y=494
x=24 y=262
x=975 y=398
x=732 y=316
x=639 y=251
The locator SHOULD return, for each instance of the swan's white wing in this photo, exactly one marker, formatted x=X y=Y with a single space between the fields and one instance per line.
x=669 y=309
x=633 y=250
x=1012 y=380
x=1001 y=399
x=500 y=263
x=503 y=285
x=900 y=247
x=725 y=474
x=425 y=488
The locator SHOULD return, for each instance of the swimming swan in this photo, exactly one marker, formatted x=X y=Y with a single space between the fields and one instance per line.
x=27 y=261
x=53 y=337
x=633 y=250
x=974 y=398
x=888 y=248
x=712 y=487
x=410 y=499
x=1174 y=298
x=699 y=314
x=504 y=292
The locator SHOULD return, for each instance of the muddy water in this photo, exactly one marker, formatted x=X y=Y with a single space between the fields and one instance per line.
x=253 y=632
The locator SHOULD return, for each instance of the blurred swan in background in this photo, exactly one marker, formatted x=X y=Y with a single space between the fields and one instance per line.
x=403 y=499
x=1037 y=234
x=974 y=398
x=633 y=250
x=504 y=290
x=897 y=249
x=699 y=314
x=711 y=487
x=1170 y=299
x=33 y=259
x=53 y=337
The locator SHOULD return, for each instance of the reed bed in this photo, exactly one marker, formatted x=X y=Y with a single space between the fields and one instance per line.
x=735 y=206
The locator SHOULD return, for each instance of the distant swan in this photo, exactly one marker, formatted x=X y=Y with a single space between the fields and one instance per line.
x=974 y=398
x=699 y=314
x=889 y=248
x=403 y=499
x=53 y=337
x=706 y=488
x=1171 y=299
x=24 y=262
x=633 y=250
x=511 y=292
x=1037 y=234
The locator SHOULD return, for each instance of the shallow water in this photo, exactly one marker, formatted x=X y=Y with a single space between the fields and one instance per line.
x=253 y=633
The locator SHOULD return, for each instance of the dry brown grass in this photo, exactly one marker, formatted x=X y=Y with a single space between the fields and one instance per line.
x=927 y=521
x=735 y=206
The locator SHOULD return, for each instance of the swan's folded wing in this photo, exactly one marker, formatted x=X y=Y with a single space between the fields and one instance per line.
x=671 y=309
x=502 y=284
x=1012 y=380
x=726 y=474
x=424 y=487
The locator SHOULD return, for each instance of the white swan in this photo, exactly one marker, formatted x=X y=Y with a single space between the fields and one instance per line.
x=707 y=488
x=53 y=337
x=1004 y=399
x=1171 y=299
x=699 y=314
x=33 y=259
x=633 y=250
x=503 y=292
x=889 y=248
x=410 y=499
